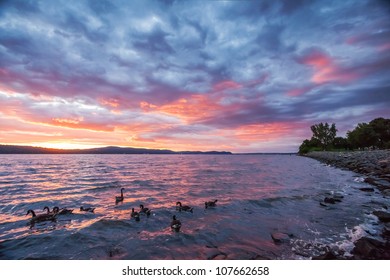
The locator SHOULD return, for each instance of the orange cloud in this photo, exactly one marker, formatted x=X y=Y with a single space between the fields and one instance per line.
x=78 y=123
x=112 y=102
x=192 y=108
x=263 y=132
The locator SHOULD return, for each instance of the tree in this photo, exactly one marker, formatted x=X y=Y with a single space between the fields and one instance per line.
x=375 y=134
x=381 y=128
x=340 y=143
x=324 y=133
x=362 y=136
x=309 y=145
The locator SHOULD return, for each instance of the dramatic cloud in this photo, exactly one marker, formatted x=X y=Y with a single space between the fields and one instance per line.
x=245 y=76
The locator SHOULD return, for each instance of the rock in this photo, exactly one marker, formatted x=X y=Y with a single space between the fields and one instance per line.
x=217 y=256
x=382 y=216
x=367 y=189
x=259 y=257
x=371 y=249
x=370 y=180
x=323 y=204
x=221 y=256
x=326 y=256
x=338 y=196
x=279 y=237
x=329 y=200
x=383 y=163
x=386 y=232
x=386 y=192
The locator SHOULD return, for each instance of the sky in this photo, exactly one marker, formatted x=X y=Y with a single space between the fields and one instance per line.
x=239 y=76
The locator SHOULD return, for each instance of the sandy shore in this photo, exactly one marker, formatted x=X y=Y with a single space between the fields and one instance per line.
x=373 y=164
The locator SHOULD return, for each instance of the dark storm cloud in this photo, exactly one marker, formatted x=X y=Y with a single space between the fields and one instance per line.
x=244 y=62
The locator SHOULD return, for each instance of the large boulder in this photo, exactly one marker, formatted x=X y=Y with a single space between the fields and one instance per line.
x=370 y=249
x=382 y=216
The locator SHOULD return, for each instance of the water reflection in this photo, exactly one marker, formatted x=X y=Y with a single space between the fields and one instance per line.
x=257 y=195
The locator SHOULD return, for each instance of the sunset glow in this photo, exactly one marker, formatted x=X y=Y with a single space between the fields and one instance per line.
x=243 y=76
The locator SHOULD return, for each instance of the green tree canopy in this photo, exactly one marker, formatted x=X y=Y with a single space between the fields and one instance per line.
x=375 y=134
x=324 y=134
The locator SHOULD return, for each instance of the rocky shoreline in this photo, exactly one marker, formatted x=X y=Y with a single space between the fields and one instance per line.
x=375 y=165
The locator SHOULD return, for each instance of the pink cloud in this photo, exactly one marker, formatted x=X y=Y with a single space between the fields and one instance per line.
x=226 y=85
x=298 y=91
x=326 y=69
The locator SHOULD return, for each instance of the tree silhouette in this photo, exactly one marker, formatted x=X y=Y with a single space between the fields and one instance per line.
x=324 y=133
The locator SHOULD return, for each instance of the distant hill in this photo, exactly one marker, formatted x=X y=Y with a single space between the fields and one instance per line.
x=14 y=149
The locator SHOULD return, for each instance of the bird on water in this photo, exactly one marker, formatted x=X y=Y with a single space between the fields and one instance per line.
x=41 y=217
x=208 y=204
x=175 y=224
x=135 y=215
x=121 y=197
x=185 y=208
x=144 y=210
x=89 y=209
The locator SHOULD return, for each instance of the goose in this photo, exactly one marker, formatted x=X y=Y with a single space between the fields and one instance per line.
x=89 y=209
x=40 y=217
x=175 y=224
x=144 y=210
x=62 y=211
x=186 y=208
x=210 y=203
x=120 y=198
x=48 y=210
x=134 y=215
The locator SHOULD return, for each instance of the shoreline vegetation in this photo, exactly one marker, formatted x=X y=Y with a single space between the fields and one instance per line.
x=365 y=136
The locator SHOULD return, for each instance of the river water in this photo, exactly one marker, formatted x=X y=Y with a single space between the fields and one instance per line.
x=258 y=195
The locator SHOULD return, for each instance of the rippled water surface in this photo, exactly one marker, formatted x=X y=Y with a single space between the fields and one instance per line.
x=257 y=195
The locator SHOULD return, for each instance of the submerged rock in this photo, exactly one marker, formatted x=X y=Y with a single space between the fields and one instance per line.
x=279 y=237
x=367 y=189
x=217 y=256
x=331 y=200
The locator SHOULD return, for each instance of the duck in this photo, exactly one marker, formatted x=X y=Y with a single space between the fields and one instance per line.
x=40 y=217
x=186 y=208
x=175 y=224
x=134 y=215
x=144 y=210
x=62 y=211
x=89 y=209
x=208 y=204
x=120 y=198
